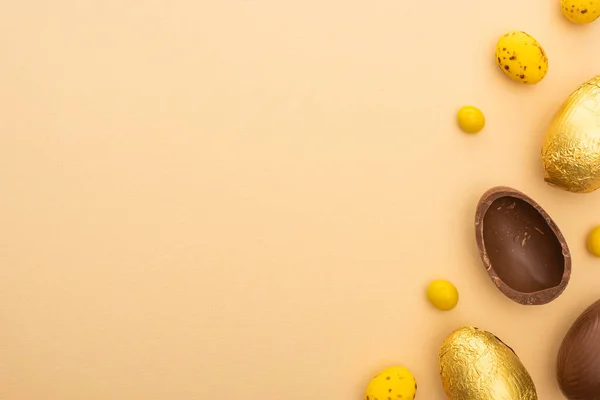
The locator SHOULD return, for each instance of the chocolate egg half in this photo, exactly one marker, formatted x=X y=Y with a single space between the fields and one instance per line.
x=522 y=249
x=578 y=364
x=571 y=147
x=476 y=365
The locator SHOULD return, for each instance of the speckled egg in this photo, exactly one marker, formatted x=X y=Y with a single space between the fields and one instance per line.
x=394 y=383
x=581 y=11
x=521 y=57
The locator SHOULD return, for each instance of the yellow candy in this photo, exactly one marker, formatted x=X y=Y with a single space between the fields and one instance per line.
x=521 y=57
x=471 y=119
x=581 y=11
x=396 y=383
x=443 y=295
x=594 y=241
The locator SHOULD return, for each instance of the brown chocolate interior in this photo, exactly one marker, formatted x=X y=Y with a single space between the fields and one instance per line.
x=522 y=248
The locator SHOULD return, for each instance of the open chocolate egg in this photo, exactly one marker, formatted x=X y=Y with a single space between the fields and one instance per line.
x=522 y=249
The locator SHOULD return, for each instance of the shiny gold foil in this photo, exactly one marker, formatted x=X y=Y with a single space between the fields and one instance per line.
x=476 y=365
x=571 y=147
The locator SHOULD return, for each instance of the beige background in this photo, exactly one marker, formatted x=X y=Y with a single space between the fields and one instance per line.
x=245 y=199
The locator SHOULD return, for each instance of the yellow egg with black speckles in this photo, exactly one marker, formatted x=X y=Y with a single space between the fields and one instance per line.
x=581 y=11
x=521 y=57
x=394 y=383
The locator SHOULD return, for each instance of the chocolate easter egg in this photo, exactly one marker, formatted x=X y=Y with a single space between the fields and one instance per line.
x=476 y=365
x=522 y=249
x=578 y=363
x=571 y=147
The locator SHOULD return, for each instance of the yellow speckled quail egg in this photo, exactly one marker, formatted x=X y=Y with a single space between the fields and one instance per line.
x=394 y=383
x=521 y=57
x=581 y=11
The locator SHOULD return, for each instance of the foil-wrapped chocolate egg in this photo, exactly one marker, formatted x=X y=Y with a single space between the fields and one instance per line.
x=476 y=365
x=571 y=147
x=578 y=363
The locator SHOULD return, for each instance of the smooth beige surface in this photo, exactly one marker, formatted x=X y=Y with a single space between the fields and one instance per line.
x=247 y=199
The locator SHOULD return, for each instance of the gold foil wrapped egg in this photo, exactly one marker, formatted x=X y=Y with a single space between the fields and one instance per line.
x=476 y=365
x=571 y=148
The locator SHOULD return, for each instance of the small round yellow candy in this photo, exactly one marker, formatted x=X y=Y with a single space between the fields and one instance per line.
x=443 y=295
x=593 y=241
x=471 y=119
x=396 y=383
x=581 y=11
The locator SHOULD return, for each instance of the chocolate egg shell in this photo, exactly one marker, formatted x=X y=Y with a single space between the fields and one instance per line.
x=578 y=363
x=476 y=365
x=571 y=146
x=522 y=249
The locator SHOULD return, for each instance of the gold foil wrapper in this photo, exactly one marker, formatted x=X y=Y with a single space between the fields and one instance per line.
x=476 y=365
x=571 y=147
